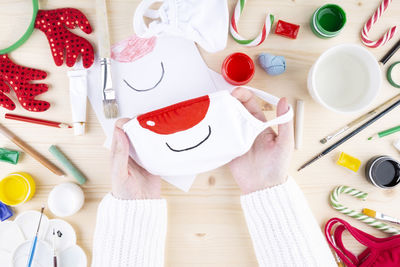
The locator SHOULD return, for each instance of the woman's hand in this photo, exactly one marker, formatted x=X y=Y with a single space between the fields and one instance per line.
x=129 y=180
x=267 y=162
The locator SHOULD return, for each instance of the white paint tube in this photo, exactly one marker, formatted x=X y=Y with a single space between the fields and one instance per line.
x=78 y=99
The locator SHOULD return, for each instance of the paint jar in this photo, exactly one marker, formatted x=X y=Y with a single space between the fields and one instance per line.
x=345 y=78
x=238 y=69
x=17 y=188
x=328 y=20
x=383 y=172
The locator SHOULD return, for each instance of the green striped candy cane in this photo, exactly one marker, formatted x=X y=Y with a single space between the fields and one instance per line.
x=343 y=189
x=269 y=20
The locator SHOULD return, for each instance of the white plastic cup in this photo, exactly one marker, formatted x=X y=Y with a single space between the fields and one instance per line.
x=345 y=78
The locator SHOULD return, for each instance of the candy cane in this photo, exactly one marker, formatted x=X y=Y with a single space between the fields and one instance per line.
x=367 y=27
x=355 y=214
x=269 y=20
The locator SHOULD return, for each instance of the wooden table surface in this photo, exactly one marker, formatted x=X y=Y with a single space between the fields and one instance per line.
x=206 y=226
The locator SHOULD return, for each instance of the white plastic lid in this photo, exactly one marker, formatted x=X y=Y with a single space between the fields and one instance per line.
x=66 y=199
x=79 y=128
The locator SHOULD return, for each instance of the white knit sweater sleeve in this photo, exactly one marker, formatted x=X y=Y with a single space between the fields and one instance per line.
x=130 y=233
x=283 y=230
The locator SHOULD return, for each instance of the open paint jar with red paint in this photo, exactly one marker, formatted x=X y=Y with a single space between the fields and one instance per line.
x=238 y=69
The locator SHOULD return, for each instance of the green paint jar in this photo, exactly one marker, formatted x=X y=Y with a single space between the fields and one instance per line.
x=328 y=20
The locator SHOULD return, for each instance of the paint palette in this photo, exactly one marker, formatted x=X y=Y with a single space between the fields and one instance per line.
x=16 y=240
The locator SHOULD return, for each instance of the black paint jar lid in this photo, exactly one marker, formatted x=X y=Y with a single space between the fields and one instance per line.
x=383 y=172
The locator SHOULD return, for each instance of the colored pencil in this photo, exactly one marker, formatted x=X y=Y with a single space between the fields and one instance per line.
x=386 y=132
x=33 y=153
x=37 y=121
x=350 y=135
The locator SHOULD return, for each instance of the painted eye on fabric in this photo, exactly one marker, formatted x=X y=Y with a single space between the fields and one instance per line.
x=150 y=88
x=179 y=117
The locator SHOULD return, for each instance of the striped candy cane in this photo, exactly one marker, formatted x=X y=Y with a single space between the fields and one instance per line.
x=269 y=20
x=367 y=27
x=355 y=214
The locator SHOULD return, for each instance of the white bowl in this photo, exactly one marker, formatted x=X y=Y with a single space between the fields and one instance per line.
x=345 y=78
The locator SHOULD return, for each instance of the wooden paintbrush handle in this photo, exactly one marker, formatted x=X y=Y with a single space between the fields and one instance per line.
x=29 y=150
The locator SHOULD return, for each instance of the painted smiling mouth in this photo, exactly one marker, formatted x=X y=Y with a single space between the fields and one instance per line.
x=150 y=88
x=192 y=147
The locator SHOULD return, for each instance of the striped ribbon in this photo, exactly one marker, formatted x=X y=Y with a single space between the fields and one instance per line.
x=355 y=214
x=367 y=27
x=237 y=12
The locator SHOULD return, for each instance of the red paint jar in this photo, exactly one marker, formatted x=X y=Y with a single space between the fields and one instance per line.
x=238 y=69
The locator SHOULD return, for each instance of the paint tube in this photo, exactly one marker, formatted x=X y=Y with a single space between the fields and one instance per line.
x=78 y=99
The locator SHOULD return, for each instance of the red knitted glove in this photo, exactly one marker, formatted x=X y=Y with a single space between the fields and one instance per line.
x=19 y=79
x=53 y=23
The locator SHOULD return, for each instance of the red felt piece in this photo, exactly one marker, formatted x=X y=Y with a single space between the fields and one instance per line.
x=176 y=118
x=287 y=29
x=19 y=79
x=54 y=24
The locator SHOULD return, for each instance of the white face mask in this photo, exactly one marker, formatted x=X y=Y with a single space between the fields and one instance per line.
x=197 y=135
x=190 y=19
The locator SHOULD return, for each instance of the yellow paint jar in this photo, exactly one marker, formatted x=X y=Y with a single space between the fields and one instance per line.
x=17 y=188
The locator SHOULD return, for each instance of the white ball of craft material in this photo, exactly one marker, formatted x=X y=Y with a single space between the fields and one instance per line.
x=273 y=65
x=66 y=199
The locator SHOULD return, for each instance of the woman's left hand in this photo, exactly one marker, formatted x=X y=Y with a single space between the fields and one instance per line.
x=129 y=180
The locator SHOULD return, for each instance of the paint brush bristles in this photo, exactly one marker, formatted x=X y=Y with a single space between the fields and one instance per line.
x=110 y=108
x=380 y=216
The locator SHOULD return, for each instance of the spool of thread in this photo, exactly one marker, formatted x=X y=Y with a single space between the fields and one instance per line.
x=273 y=65
x=299 y=123
x=67 y=164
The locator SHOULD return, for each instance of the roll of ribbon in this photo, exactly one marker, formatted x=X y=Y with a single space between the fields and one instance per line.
x=269 y=20
x=355 y=214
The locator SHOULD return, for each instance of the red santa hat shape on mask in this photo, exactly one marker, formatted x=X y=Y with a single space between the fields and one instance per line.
x=132 y=48
x=176 y=118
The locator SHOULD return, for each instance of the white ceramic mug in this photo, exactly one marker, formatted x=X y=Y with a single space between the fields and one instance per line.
x=345 y=78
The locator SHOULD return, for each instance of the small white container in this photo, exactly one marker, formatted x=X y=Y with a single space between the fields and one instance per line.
x=345 y=78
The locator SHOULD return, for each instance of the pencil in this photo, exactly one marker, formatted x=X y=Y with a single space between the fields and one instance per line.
x=33 y=153
x=37 y=121
x=386 y=132
x=350 y=135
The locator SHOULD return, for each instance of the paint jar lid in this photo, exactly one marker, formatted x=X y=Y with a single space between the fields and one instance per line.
x=383 y=172
x=66 y=199
x=16 y=188
x=79 y=128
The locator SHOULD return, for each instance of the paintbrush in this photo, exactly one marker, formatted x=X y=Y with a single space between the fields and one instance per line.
x=380 y=216
x=358 y=120
x=109 y=97
x=54 y=249
x=33 y=248
x=350 y=135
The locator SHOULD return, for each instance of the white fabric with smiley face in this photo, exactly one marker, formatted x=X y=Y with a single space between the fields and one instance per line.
x=152 y=73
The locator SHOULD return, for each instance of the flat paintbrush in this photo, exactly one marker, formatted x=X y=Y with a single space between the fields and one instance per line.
x=109 y=97
x=350 y=135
